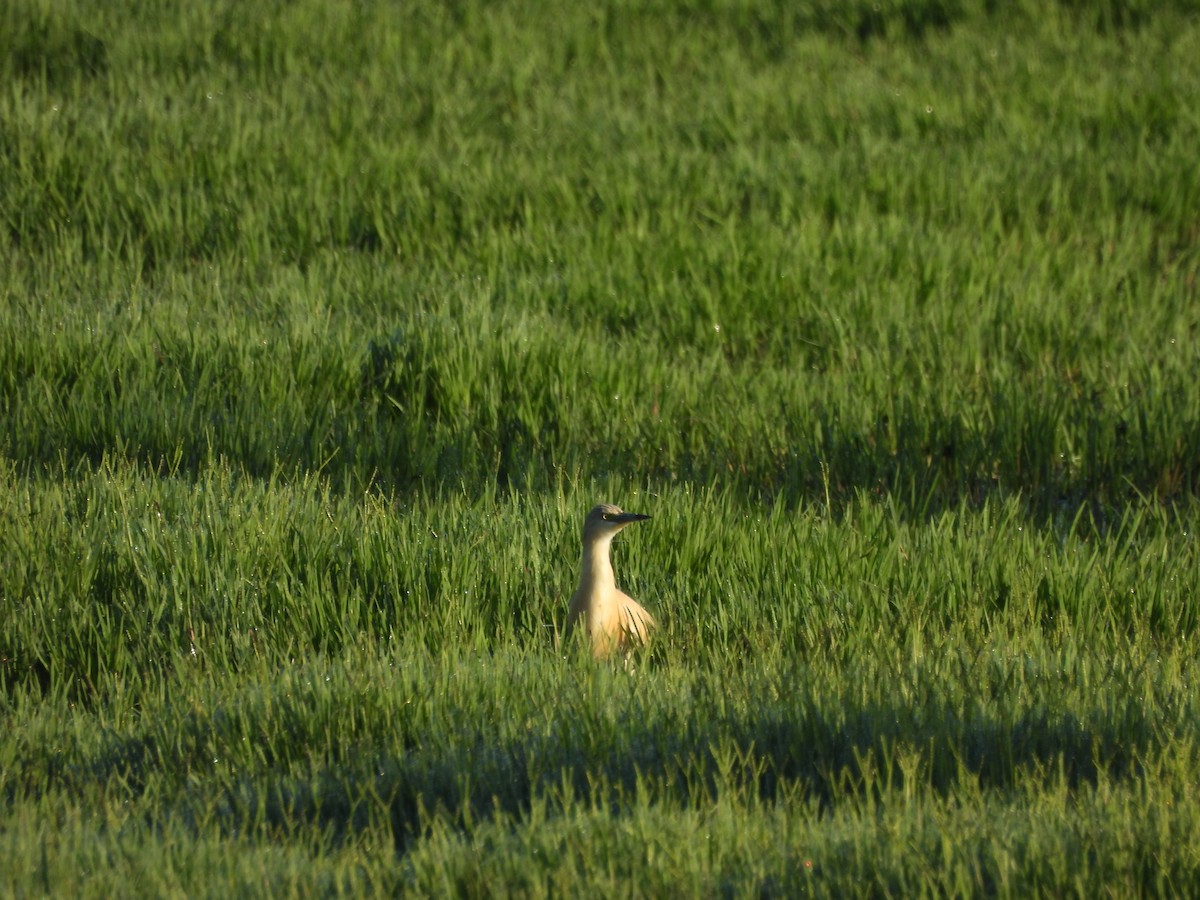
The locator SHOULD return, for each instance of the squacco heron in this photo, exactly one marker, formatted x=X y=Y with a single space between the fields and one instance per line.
x=614 y=621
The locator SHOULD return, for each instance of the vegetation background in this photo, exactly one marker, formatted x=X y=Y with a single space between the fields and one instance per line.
x=323 y=323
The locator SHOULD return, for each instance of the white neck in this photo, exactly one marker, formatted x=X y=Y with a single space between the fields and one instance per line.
x=597 y=572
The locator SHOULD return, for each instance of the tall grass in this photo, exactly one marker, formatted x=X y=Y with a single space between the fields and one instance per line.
x=322 y=325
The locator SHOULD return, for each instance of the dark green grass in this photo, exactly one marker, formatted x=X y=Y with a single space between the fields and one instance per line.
x=758 y=279
x=378 y=684
x=322 y=325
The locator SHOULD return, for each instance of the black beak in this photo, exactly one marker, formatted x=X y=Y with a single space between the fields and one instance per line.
x=627 y=517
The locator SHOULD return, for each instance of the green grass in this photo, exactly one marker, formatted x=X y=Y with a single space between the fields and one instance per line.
x=323 y=324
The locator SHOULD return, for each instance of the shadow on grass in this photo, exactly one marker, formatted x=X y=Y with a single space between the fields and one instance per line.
x=855 y=755
x=924 y=463
x=769 y=758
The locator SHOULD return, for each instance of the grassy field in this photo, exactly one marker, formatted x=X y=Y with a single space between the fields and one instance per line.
x=322 y=324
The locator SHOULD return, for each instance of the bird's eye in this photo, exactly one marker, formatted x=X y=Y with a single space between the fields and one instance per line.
x=607 y=517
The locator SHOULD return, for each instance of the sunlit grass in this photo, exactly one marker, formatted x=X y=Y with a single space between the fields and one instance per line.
x=321 y=327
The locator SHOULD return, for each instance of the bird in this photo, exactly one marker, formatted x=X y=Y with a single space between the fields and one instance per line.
x=614 y=621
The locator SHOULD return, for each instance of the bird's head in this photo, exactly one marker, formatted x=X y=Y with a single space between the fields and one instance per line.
x=606 y=520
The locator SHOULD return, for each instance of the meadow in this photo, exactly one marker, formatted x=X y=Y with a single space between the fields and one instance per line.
x=323 y=324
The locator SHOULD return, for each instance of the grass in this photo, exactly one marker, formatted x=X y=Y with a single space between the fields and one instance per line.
x=322 y=325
